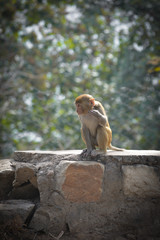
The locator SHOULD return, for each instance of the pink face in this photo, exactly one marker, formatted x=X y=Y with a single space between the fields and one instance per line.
x=79 y=109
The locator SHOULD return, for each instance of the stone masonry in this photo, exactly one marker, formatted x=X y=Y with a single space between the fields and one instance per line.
x=115 y=196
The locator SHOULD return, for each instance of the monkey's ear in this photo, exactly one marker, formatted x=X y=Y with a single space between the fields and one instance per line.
x=92 y=101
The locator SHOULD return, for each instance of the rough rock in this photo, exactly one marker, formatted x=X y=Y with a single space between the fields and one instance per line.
x=49 y=218
x=45 y=182
x=141 y=180
x=26 y=191
x=80 y=181
x=25 y=182
x=25 y=173
x=15 y=209
x=6 y=177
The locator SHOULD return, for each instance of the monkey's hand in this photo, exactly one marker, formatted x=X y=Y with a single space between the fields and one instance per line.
x=101 y=118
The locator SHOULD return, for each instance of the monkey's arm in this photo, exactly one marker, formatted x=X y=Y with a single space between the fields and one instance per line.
x=102 y=119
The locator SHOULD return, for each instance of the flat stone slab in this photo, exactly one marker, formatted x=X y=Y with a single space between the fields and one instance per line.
x=126 y=157
x=109 y=152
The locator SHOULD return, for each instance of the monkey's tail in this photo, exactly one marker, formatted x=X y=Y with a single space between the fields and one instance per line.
x=115 y=148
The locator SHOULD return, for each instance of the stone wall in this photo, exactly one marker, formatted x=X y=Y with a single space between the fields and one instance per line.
x=112 y=196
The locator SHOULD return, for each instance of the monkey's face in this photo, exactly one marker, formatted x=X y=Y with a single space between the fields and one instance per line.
x=83 y=107
x=79 y=108
x=84 y=103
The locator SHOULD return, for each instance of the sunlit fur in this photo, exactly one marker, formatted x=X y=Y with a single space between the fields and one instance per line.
x=85 y=102
x=95 y=131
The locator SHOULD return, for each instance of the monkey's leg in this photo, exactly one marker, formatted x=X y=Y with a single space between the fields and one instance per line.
x=84 y=150
x=82 y=135
x=102 y=140
x=89 y=141
x=93 y=141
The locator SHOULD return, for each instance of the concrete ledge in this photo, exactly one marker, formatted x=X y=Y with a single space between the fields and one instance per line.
x=109 y=152
x=124 y=156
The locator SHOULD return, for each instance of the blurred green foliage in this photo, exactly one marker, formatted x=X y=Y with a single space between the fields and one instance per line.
x=52 y=51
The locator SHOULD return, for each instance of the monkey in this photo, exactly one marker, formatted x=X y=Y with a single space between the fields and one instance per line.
x=95 y=128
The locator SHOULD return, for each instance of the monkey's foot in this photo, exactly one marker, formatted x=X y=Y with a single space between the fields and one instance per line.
x=95 y=153
x=85 y=153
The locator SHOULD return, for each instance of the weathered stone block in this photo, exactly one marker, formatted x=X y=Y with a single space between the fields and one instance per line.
x=45 y=180
x=47 y=218
x=7 y=173
x=25 y=172
x=12 y=209
x=80 y=181
x=25 y=183
x=141 y=180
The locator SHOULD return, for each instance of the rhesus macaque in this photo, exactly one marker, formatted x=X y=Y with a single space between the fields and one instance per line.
x=95 y=130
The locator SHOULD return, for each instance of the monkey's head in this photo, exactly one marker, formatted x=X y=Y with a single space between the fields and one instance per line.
x=84 y=103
